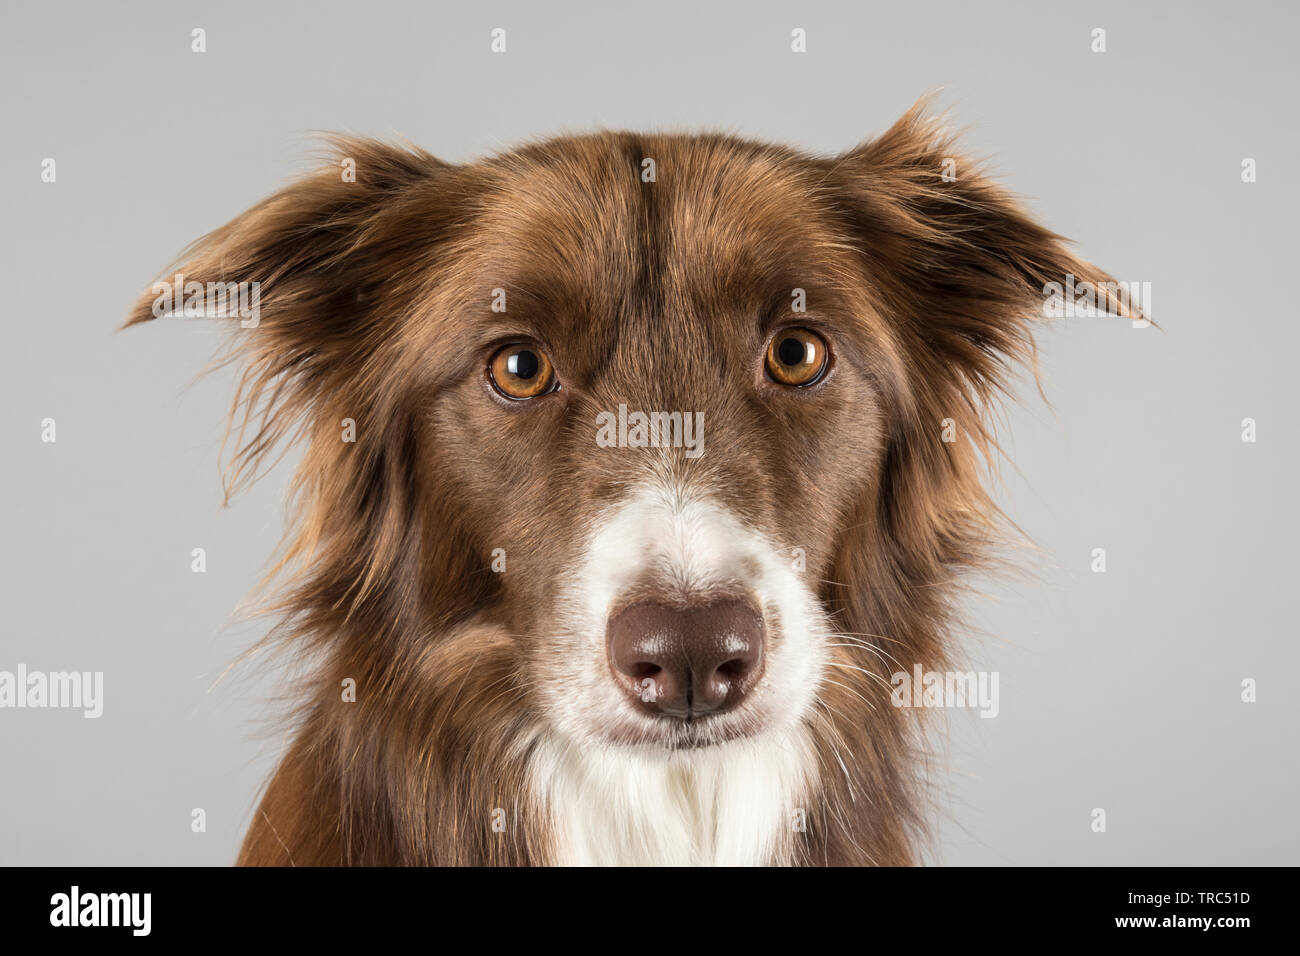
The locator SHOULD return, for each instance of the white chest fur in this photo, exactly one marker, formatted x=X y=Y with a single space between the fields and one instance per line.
x=731 y=805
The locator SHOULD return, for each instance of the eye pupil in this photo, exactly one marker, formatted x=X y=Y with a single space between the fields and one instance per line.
x=793 y=352
x=523 y=364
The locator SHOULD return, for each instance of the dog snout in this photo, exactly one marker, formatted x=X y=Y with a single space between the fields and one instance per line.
x=687 y=662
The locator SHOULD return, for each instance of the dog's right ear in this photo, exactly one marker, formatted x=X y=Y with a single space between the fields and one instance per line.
x=311 y=268
x=312 y=244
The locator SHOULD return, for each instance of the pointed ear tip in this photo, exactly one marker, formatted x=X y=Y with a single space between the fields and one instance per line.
x=141 y=310
x=923 y=126
x=138 y=314
x=334 y=139
x=927 y=110
x=925 y=103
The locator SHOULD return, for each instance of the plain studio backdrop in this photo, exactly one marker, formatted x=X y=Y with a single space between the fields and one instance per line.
x=1119 y=690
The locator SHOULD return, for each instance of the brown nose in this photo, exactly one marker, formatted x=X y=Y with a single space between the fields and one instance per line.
x=687 y=662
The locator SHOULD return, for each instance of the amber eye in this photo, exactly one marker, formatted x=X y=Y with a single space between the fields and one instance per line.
x=796 y=357
x=521 y=371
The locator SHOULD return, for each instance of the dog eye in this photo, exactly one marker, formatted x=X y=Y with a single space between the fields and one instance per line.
x=521 y=371
x=796 y=357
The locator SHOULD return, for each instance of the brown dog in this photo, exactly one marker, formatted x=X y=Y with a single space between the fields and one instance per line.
x=634 y=467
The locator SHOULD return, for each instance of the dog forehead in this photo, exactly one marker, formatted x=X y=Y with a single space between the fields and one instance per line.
x=592 y=233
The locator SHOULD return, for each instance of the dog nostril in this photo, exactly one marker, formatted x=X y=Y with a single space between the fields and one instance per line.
x=686 y=662
x=734 y=669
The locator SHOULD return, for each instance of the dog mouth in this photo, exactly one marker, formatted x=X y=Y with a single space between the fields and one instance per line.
x=676 y=735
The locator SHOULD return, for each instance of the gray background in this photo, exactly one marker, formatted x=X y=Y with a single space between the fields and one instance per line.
x=1119 y=690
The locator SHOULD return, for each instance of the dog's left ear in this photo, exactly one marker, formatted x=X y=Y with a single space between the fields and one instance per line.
x=951 y=255
x=960 y=273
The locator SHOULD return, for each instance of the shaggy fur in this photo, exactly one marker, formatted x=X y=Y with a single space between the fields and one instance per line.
x=375 y=299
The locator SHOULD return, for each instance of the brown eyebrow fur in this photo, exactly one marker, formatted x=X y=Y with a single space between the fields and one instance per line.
x=380 y=580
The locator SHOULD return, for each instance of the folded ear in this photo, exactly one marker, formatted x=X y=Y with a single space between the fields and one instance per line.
x=311 y=268
x=953 y=256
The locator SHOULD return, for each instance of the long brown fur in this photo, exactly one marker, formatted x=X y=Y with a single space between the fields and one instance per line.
x=372 y=293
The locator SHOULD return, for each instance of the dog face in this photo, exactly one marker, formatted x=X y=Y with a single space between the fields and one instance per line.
x=668 y=595
x=697 y=423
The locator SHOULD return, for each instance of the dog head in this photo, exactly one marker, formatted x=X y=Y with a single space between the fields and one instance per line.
x=697 y=422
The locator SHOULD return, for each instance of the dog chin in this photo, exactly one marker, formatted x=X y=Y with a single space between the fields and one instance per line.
x=681 y=736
